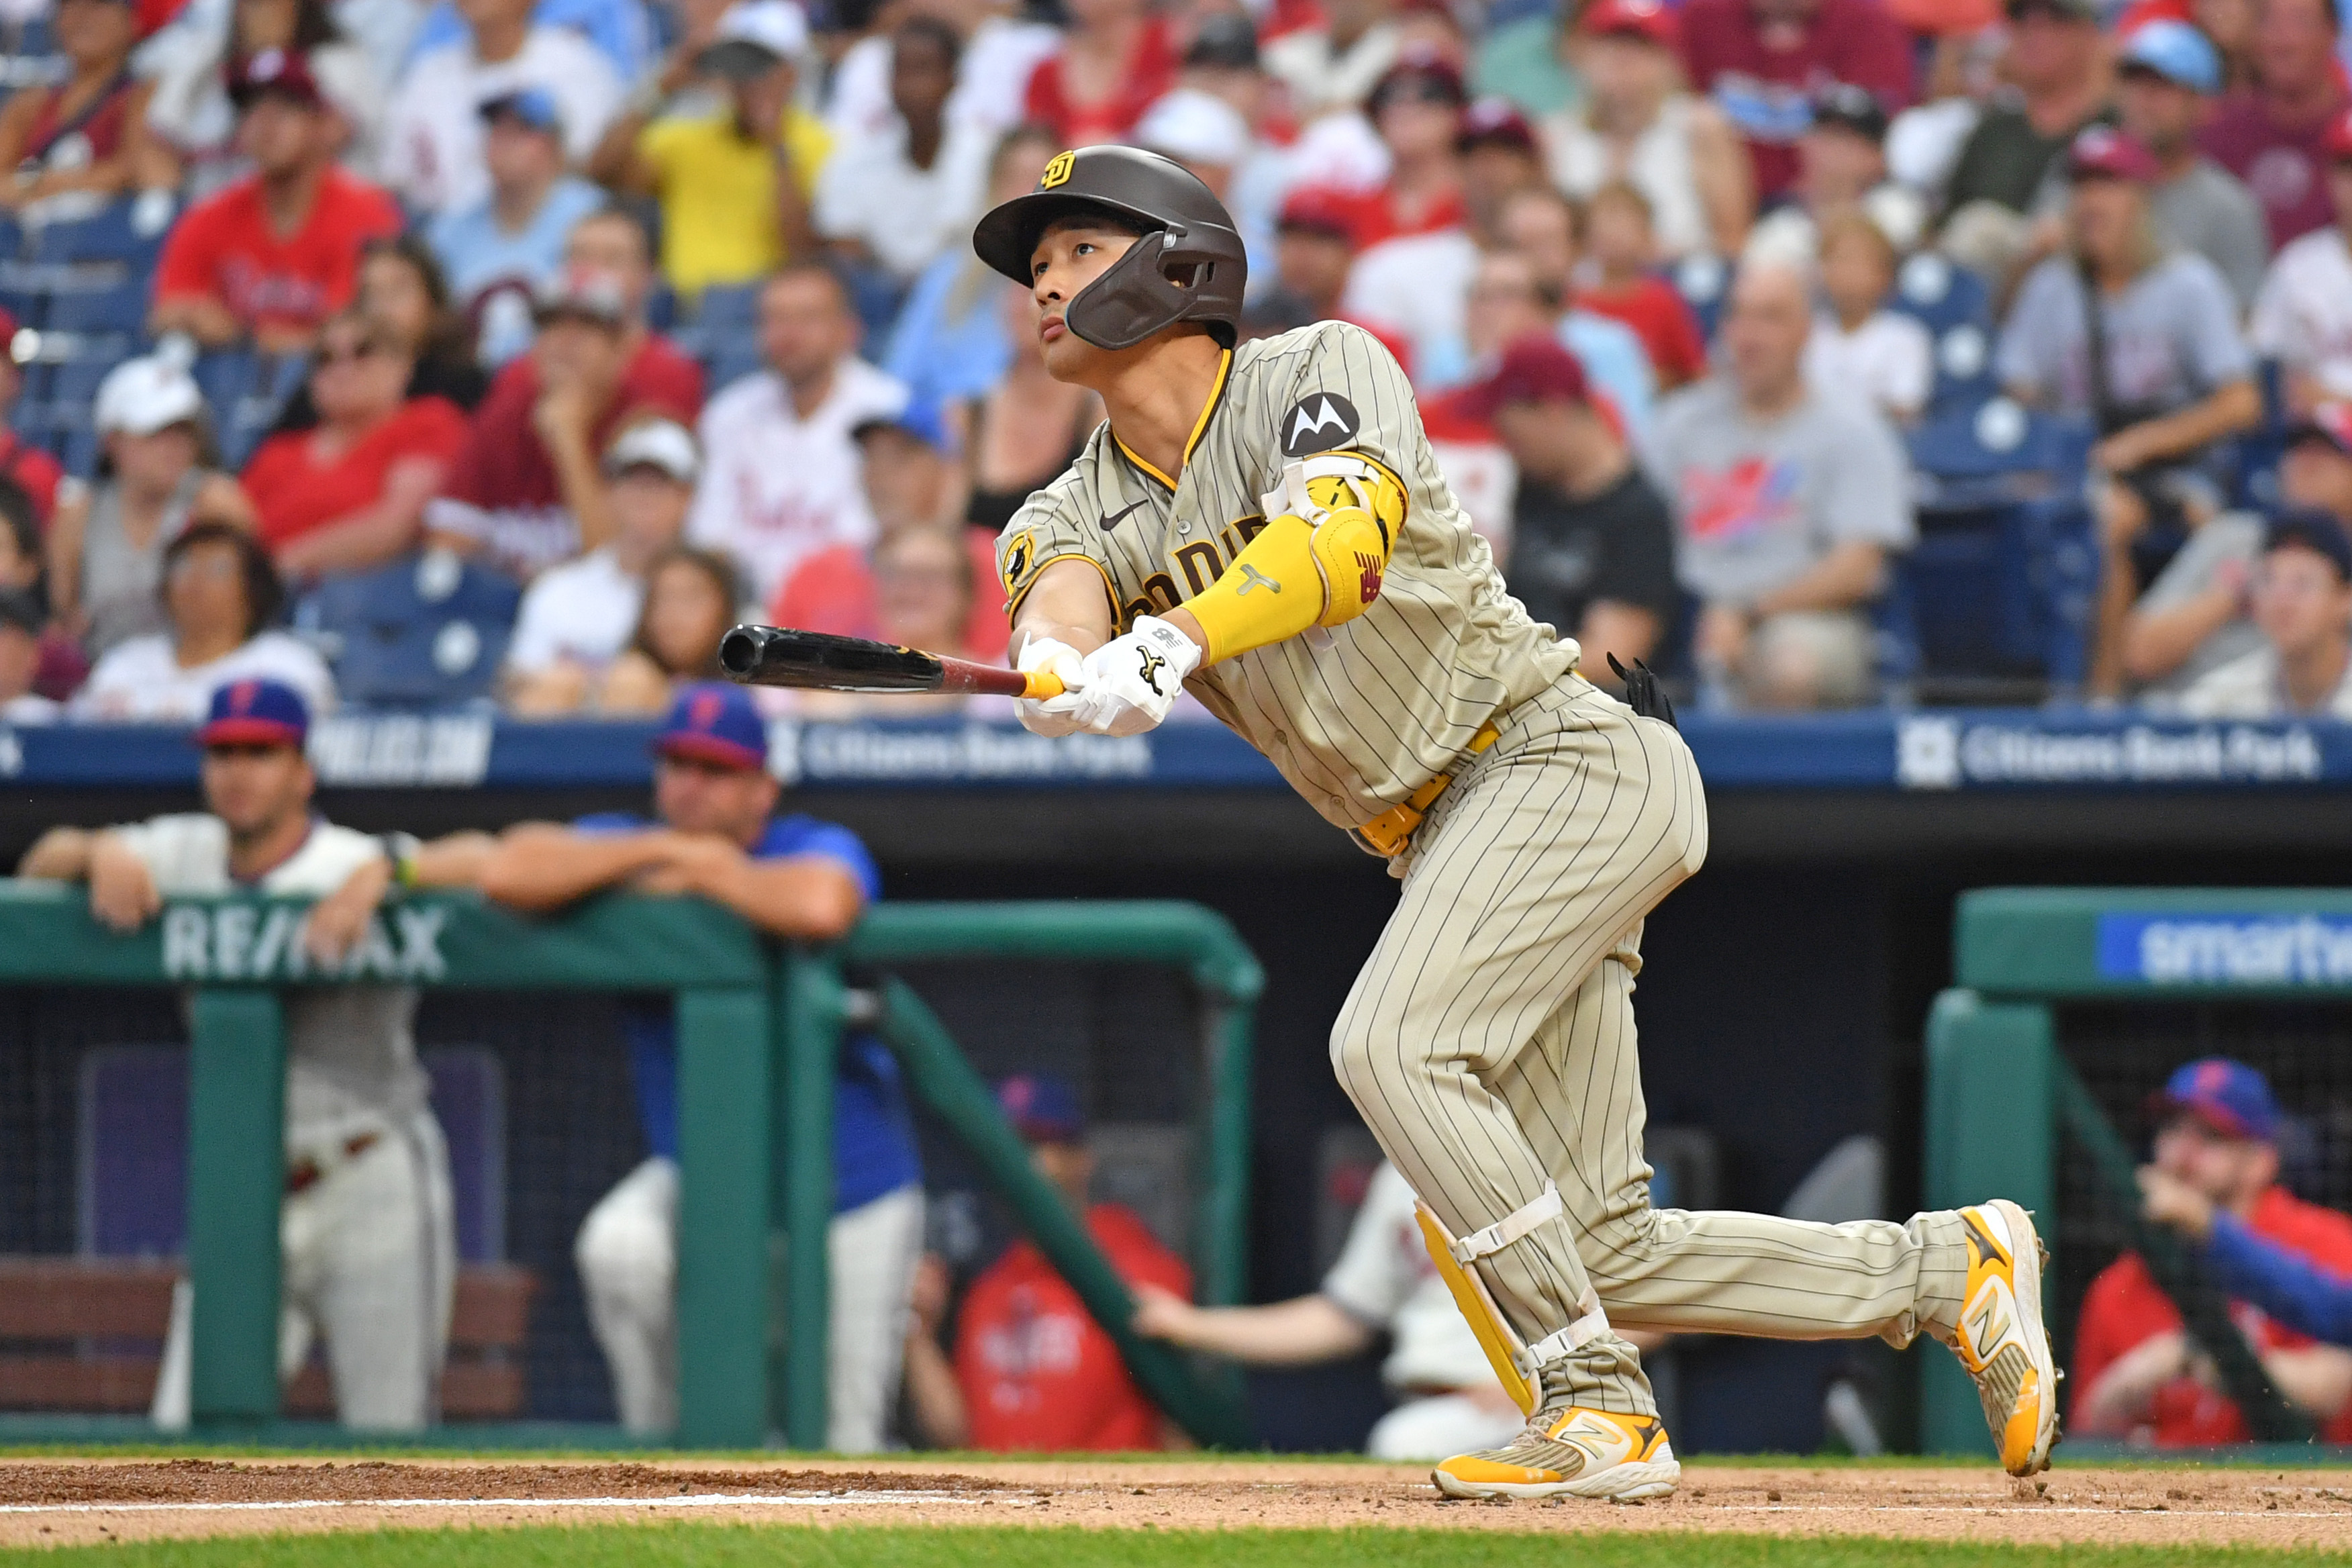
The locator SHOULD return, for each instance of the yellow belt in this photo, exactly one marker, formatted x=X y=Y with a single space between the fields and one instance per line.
x=1392 y=830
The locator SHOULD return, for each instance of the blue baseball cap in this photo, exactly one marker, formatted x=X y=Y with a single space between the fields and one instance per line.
x=919 y=418
x=1041 y=1107
x=2228 y=1096
x=531 y=106
x=2315 y=529
x=2175 y=51
x=255 y=713
x=709 y=722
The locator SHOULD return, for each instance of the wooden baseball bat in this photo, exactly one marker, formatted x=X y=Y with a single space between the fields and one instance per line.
x=779 y=655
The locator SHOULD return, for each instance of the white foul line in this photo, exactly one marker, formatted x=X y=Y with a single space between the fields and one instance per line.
x=706 y=1499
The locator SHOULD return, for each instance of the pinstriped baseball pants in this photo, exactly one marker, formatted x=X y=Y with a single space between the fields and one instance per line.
x=1489 y=1045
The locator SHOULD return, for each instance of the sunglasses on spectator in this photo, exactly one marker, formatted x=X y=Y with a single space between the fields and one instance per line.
x=332 y=353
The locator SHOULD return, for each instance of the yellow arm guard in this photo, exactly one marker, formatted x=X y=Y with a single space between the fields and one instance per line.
x=1317 y=563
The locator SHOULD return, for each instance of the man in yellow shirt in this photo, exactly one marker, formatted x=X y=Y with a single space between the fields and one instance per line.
x=734 y=178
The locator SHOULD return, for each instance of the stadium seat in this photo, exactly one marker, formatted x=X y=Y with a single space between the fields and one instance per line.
x=1941 y=293
x=246 y=392
x=426 y=631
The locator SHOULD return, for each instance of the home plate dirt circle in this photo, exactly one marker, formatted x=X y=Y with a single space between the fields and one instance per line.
x=52 y=1502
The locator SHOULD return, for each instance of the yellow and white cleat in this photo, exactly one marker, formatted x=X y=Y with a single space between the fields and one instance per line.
x=2001 y=1340
x=1569 y=1453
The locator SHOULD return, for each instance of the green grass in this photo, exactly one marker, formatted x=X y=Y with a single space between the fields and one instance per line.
x=726 y=1546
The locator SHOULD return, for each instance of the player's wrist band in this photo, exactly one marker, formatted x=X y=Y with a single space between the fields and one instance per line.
x=402 y=849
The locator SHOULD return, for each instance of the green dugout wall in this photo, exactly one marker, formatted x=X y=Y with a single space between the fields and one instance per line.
x=2000 y=1092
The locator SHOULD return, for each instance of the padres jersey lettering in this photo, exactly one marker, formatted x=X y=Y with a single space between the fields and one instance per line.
x=1356 y=717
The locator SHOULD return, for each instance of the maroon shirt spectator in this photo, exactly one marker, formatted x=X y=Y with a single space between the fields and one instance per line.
x=2273 y=138
x=1116 y=61
x=1762 y=61
x=31 y=469
x=90 y=131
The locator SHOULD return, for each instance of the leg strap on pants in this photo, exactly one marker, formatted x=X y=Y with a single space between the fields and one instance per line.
x=1516 y=1363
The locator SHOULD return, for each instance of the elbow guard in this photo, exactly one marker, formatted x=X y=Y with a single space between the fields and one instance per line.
x=1320 y=563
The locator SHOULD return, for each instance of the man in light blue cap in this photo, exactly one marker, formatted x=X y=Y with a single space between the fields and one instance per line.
x=2168 y=75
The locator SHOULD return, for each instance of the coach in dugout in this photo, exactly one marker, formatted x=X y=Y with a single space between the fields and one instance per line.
x=2136 y=1373
x=716 y=835
x=369 y=1242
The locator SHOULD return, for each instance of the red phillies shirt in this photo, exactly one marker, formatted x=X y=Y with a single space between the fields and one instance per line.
x=1663 y=320
x=833 y=591
x=2124 y=1310
x=293 y=492
x=1768 y=93
x=1038 y=1374
x=224 y=248
x=35 y=472
x=1151 y=72
x=2284 y=166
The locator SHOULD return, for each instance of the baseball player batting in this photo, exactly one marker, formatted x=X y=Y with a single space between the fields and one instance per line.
x=1263 y=525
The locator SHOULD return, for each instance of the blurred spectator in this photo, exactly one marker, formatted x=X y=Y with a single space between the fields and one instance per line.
x=1019 y=435
x=2278 y=1282
x=497 y=253
x=1314 y=247
x=1540 y=228
x=621 y=30
x=22 y=463
x=1036 y=1372
x=432 y=139
x=1000 y=49
x=88 y=134
x=2301 y=602
x=2136 y=1373
x=156 y=477
x=1790 y=503
x=189 y=59
x=923 y=586
x=526 y=489
x=2058 y=83
x=21 y=622
x=1640 y=124
x=576 y=617
x=2303 y=318
x=1117 y=58
x=2230 y=25
x=407 y=306
x=1591 y=545
x=717 y=835
x=899 y=199
x=780 y=477
x=1859 y=348
x=1332 y=66
x=2165 y=80
x=2195 y=617
x=1200 y=131
x=1499 y=159
x=1417 y=109
x=220 y=598
x=350 y=494
x=1617 y=281
x=949 y=340
x=2274 y=137
x=1841 y=171
x=2143 y=344
x=692 y=596
x=276 y=254
x=1762 y=61
x=736 y=182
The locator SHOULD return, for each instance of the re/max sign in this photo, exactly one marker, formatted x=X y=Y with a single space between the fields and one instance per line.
x=244 y=942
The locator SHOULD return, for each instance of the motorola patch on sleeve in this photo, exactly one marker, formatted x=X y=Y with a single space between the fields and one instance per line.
x=1319 y=422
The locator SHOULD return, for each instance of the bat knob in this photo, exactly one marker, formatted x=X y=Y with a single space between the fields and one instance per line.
x=738 y=651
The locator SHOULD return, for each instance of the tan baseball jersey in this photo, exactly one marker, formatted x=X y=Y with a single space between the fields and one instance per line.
x=1356 y=717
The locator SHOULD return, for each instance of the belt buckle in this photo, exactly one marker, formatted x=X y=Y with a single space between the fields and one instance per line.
x=1391 y=830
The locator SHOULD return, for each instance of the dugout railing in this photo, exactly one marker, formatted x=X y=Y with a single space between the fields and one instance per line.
x=758 y=1027
x=2070 y=1004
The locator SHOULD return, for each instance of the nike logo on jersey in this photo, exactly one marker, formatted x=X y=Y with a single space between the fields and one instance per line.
x=1113 y=519
x=1319 y=423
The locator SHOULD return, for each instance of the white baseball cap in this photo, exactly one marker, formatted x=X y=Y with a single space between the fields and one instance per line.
x=141 y=397
x=1194 y=127
x=775 y=28
x=663 y=444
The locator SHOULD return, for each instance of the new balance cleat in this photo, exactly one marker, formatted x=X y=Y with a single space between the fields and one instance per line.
x=2001 y=1340
x=1569 y=1453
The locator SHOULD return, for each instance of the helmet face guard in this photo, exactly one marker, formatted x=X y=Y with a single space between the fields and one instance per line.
x=1136 y=298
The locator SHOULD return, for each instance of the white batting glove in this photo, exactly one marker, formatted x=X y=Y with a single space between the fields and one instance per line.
x=1055 y=715
x=1133 y=681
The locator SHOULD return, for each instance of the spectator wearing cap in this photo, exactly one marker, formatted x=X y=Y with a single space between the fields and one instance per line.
x=188 y=60
x=1618 y=279
x=2276 y=136
x=1033 y=1371
x=2175 y=377
x=781 y=472
x=433 y=142
x=1859 y=348
x=2301 y=602
x=157 y=476
x=2303 y=317
x=86 y=137
x=1200 y=131
x=736 y=183
x=576 y=618
x=350 y=494
x=499 y=251
x=1314 y=247
x=1841 y=171
x=715 y=833
x=1499 y=159
x=892 y=202
x=22 y=622
x=1118 y=58
x=2197 y=616
x=2136 y=1373
x=220 y=598
x=1540 y=231
x=1332 y=68
x=2285 y=1286
x=2166 y=77
x=273 y=256
x=22 y=463
x=1788 y=504
x=1761 y=60
x=1640 y=124
x=1592 y=546
x=2055 y=66
x=1416 y=109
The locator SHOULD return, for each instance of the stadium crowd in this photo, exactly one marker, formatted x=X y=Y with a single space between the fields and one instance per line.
x=599 y=323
